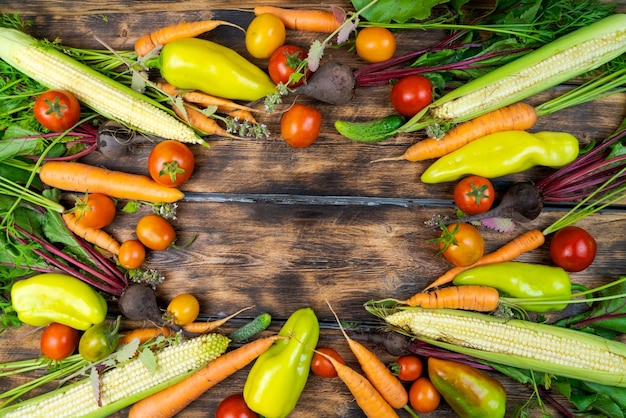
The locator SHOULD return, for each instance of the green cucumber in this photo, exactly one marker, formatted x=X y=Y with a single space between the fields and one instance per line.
x=375 y=130
x=258 y=324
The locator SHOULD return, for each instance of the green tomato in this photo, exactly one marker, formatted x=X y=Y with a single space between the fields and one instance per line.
x=99 y=341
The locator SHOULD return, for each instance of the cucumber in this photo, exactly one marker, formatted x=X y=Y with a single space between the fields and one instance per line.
x=258 y=324
x=375 y=130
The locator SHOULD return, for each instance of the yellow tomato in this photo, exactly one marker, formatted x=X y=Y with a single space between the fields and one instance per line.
x=265 y=34
x=375 y=44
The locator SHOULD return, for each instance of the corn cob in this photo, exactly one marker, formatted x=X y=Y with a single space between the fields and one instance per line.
x=517 y=343
x=561 y=60
x=124 y=384
x=104 y=95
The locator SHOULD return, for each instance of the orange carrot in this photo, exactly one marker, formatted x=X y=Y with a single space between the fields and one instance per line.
x=528 y=241
x=80 y=177
x=300 y=19
x=167 y=34
x=143 y=334
x=202 y=98
x=377 y=372
x=201 y=122
x=242 y=114
x=174 y=399
x=365 y=394
x=208 y=326
x=94 y=236
x=473 y=298
x=518 y=116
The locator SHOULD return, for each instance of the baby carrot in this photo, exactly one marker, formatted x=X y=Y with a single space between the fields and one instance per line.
x=365 y=394
x=201 y=122
x=174 y=399
x=301 y=19
x=377 y=372
x=94 y=236
x=162 y=36
x=518 y=116
x=528 y=241
x=208 y=326
x=470 y=297
x=80 y=177
x=202 y=98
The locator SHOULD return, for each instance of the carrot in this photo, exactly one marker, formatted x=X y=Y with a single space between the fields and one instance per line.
x=174 y=399
x=162 y=36
x=518 y=116
x=242 y=114
x=143 y=334
x=305 y=20
x=381 y=377
x=94 y=236
x=208 y=326
x=80 y=177
x=473 y=298
x=367 y=397
x=202 y=98
x=201 y=122
x=528 y=241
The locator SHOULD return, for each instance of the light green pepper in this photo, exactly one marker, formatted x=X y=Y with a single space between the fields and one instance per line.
x=504 y=153
x=522 y=280
x=278 y=376
x=49 y=297
x=199 y=64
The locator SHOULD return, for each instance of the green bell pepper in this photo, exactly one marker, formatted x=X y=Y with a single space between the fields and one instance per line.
x=277 y=378
x=199 y=64
x=470 y=392
x=504 y=153
x=50 y=297
x=522 y=280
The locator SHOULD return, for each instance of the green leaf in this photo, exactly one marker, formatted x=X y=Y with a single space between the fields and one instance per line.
x=401 y=11
x=148 y=359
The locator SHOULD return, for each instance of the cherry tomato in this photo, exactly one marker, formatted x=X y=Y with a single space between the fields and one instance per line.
x=234 y=406
x=283 y=63
x=300 y=126
x=171 y=163
x=408 y=367
x=155 y=232
x=411 y=94
x=375 y=44
x=98 y=341
x=94 y=210
x=321 y=366
x=57 y=110
x=461 y=244
x=132 y=254
x=573 y=248
x=423 y=396
x=183 y=308
x=265 y=34
x=474 y=194
x=58 y=341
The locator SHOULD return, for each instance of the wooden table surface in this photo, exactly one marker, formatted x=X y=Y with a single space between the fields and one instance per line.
x=283 y=228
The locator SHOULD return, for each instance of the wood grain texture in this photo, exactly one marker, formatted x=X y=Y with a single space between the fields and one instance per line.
x=282 y=228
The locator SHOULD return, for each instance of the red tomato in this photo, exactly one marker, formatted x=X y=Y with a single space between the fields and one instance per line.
x=411 y=94
x=423 y=396
x=300 y=126
x=461 y=244
x=408 y=367
x=474 y=194
x=184 y=308
x=57 y=110
x=132 y=254
x=155 y=232
x=58 y=341
x=94 y=210
x=171 y=163
x=321 y=366
x=572 y=248
x=234 y=406
x=375 y=44
x=283 y=63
